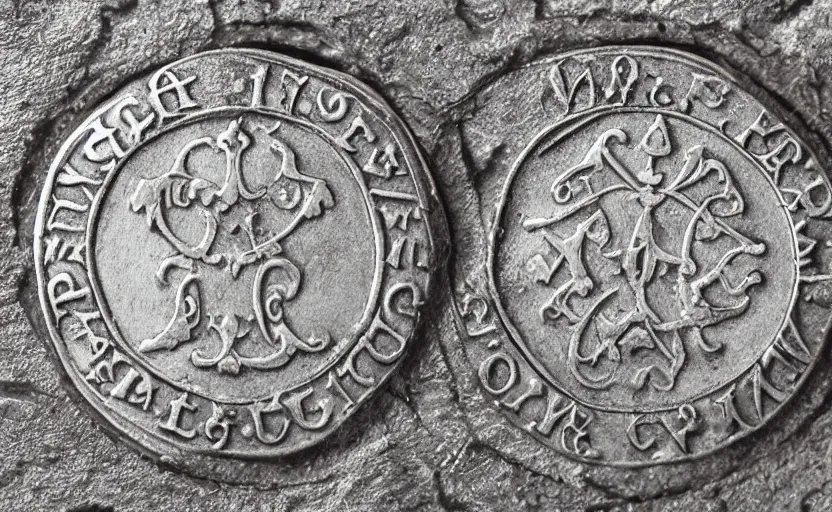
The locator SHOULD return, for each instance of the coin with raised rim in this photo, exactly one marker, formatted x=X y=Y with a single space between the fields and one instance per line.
x=654 y=285
x=233 y=253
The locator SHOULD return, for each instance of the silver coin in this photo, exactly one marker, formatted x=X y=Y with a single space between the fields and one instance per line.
x=234 y=253
x=654 y=287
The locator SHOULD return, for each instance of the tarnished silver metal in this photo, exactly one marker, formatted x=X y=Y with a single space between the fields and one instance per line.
x=233 y=254
x=656 y=283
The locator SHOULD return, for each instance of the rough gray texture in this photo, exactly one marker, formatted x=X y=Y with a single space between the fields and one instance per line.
x=422 y=444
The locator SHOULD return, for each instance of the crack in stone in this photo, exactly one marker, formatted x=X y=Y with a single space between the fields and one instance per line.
x=22 y=391
x=792 y=10
x=92 y=507
x=478 y=445
x=105 y=18
x=444 y=500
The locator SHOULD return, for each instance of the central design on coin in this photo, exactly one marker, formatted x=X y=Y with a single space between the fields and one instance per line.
x=634 y=269
x=277 y=279
x=233 y=220
x=646 y=303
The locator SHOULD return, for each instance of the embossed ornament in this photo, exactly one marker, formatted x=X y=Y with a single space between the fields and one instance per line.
x=234 y=254
x=655 y=275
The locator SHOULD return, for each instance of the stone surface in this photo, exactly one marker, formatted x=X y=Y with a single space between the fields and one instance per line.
x=414 y=447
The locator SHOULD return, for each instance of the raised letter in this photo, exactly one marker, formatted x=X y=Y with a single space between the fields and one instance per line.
x=172 y=423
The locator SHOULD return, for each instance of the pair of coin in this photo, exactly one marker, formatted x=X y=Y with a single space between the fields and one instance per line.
x=233 y=254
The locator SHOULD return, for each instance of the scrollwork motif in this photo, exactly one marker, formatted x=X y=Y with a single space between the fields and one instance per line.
x=602 y=332
x=277 y=279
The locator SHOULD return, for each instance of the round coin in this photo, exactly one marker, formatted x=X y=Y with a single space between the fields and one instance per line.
x=655 y=286
x=233 y=254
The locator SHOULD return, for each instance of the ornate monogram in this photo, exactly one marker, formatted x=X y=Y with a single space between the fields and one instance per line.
x=621 y=316
x=305 y=196
x=233 y=254
x=640 y=303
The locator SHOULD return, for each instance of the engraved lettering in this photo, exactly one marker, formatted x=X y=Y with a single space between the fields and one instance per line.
x=567 y=94
x=335 y=108
x=557 y=407
x=378 y=327
x=257 y=410
x=302 y=416
x=488 y=374
x=710 y=90
x=358 y=125
x=406 y=252
x=218 y=426
x=69 y=177
x=686 y=415
x=60 y=249
x=474 y=310
x=761 y=385
x=98 y=344
x=125 y=119
x=135 y=386
x=533 y=389
x=175 y=419
x=334 y=383
x=661 y=93
x=60 y=290
x=99 y=135
x=409 y=307
x=384 y=163
x=727 y=404
x=65 y=205
x=290 y=87
x=623 y=74
x=258 y=79
x=165 y=83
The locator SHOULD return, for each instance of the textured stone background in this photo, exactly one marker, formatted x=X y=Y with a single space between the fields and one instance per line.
x=422 y=444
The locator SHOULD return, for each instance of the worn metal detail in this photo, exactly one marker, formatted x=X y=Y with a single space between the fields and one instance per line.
x=652 y=274
x=233 y=254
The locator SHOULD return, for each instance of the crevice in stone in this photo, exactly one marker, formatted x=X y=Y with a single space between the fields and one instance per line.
x=541 y=10
x=607 y=506
x=482 y=83
x=793 y=9
x=20 y=390
x=805 y=505
x=93 y=507
x=460 y=12
x=803 y=428
x=478 y=445
x=668 y=492
x=105 y=16
x=24 y=184
x=472 y=173
x=408 y=404
x=489 y=164
x=212 y=10
x=445 y=500
x=465 y=153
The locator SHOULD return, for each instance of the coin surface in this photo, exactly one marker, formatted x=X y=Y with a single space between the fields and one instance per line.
x=234 y=253
x=652 y=285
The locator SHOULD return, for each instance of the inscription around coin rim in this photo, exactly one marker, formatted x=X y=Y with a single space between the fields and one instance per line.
x=157 y=416
x=556 y=418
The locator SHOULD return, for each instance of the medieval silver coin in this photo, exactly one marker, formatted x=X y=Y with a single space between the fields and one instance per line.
x=234 y=253
x=655 y=283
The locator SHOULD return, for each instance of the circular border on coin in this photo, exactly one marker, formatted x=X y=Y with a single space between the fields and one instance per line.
x=585 y=86
x=156 y=414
